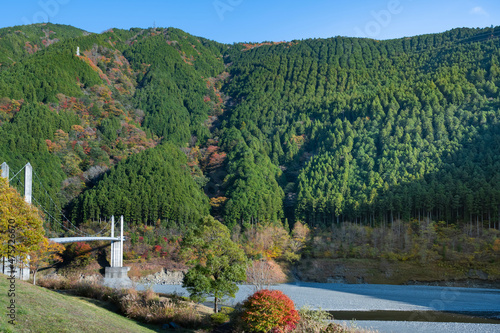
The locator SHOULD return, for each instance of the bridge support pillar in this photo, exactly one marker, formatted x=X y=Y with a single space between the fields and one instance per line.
x=116 y=272
x=28 y=182
x=5 y=170
x=20 y=270
x=116 y=276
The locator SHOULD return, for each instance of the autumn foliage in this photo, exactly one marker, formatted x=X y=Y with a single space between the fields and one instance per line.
x=263 y=273
x=270 y=310
x=79 y=254
x=21 y=224
x=48 y=252
x=272 y=241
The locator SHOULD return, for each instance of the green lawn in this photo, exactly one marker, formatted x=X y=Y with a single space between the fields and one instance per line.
x=42 y=310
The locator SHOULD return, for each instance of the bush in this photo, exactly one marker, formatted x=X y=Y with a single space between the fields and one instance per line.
x=144 y=306
x=312 y=321
x=78 y=254
x=336 y=328
x=270 y=310
x=219 y=318
x=225 y=315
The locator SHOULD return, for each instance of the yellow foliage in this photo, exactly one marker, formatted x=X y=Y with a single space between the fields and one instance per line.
x=46 y=253
x=217 y=201
x=21 y=225
x=496 y=245
x=77 y=128
x=273 y=241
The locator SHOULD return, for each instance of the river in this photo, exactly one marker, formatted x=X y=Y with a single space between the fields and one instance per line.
x=390 y=308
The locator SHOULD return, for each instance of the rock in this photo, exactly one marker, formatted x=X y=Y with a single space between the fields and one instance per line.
x=360 y=280
x=90 y=278
x=164 y=277
x=476 y=273
x=336 y=279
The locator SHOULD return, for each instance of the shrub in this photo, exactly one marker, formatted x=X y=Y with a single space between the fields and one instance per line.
x=312 y=321
x=270 y=310
x=144 y=306
x=219 y=318
x=225 y=315
x=58 y=283
x=78 y=254
x=336 y=328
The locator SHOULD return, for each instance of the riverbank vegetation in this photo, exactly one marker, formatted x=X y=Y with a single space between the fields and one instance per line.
x=179 y=313
x=404 y=253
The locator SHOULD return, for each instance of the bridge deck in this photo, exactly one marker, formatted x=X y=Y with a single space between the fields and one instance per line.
x=83 y=239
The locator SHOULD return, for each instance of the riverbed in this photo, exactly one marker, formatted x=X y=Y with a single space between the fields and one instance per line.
x=391 y=308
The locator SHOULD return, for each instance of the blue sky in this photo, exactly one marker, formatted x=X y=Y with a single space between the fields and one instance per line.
x=231 y=21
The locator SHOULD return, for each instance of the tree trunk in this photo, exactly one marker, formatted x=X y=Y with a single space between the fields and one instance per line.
x=216 y=305
x=34 y=277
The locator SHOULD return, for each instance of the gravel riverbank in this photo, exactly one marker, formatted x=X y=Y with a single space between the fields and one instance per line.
x=366 y=297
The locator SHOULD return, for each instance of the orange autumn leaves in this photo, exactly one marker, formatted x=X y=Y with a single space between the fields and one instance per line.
x=270 y=311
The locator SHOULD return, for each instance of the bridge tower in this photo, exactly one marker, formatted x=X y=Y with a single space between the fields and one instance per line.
x=116 y=276
x=28 y=179
x=5 y=170
x=28 y=182
x=116 y=246
x=21 y=269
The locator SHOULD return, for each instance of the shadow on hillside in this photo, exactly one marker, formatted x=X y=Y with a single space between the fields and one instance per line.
x=465 y=189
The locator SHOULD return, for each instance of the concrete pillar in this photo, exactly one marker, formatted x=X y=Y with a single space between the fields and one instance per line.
x=28 y=182
x=116 y=276
x=28 y=190
x=5 y=171
x=113 y=244
x=120 y=260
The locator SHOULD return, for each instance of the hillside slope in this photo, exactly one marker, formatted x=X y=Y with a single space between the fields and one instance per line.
x=20 y=41
x=371 y=131
x=42 y=310
x=324 y=131
x=75 y=117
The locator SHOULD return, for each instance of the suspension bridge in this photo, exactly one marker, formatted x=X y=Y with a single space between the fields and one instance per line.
x=116 y=274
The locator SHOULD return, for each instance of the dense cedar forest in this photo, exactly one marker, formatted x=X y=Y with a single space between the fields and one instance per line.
x=164 y=127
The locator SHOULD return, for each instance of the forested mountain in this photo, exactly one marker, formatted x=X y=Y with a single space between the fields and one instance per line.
x=373 y=130
x=324 y=131
x=20 y=41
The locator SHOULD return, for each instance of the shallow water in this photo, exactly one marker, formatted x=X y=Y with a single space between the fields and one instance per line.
x=420 y=327
x=423 y=316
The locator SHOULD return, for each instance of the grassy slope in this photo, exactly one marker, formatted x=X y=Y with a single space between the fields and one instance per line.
x=43 y=310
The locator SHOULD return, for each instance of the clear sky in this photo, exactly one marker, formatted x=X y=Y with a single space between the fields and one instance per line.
x=231 y=21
